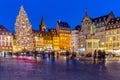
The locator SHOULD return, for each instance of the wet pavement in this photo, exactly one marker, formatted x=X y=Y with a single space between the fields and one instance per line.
x=27 y=68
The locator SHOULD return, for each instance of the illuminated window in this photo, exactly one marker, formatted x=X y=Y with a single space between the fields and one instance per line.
x=95 y=45
x=114 y=38
x=113 y=44
x=10 y=43
x=6 y=47
x=115 y=32
x=89 y=44
x=118 y=44
x=110 y=38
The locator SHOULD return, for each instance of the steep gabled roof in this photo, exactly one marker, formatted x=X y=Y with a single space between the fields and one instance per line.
x=3 y=29
x=78 y=27
x=37 y=32
x=63 y=24
x=114 y=21
x=101 y=18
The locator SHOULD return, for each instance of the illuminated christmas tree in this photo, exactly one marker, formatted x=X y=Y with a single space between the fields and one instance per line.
x=23 y=29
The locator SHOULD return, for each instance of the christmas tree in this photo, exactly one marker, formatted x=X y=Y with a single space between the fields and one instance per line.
x=23 y=30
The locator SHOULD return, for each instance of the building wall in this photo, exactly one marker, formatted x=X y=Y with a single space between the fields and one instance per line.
x=74 y=40
x=63 y=30
x=6 y=43
x=84 y=33
x=56 y=45
x=64 y=39
x=38 y=43
x=113 y=37
x=100 y=23
x=55 y=39
x=6 y=40
x=48 y=43
x=100 y=34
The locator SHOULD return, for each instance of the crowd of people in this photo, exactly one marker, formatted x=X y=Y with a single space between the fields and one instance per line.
x=99 y=55
x=53 y=54
x=70 y=55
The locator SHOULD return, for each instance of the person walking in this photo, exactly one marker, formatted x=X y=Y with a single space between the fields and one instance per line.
x=95 y=56
x=99 y=55
x=73 y=55
x=53 y=54
x=57 y=53
x=49 y=54
x=67 y=54
x=103 y=55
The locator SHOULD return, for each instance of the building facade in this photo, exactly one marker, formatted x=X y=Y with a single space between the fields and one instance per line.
x=100 y=23
x=48 y=41
x=85 y=32
x=47 y=37
x=38 y=40
x=63 y=30
x=6 y=40
x=74 y=46
x=55 y=39
x=112 y=32
x=62 y=38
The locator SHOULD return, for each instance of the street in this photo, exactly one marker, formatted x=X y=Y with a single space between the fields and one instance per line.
x=27 y=68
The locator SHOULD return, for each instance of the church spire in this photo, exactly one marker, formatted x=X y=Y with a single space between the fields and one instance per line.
x=42 y=25
x=86 y=13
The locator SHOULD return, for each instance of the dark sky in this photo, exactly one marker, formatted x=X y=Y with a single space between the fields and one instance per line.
x=71 y=11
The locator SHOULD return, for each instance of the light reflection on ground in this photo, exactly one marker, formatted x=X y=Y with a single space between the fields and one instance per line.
x=30 y=68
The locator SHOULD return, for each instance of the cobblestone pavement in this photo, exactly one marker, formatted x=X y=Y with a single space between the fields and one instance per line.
x=27 y=68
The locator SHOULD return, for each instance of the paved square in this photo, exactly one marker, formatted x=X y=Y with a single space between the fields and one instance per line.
x=26 y=68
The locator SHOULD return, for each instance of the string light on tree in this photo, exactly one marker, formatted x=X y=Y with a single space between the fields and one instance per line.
x=23 y=31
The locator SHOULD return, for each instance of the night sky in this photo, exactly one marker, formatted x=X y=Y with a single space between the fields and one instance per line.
x=71 y=11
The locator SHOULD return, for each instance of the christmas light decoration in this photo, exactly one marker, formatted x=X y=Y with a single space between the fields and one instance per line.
x=23 y=30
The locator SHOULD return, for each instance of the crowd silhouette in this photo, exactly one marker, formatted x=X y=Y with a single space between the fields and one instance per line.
x=99 y=56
